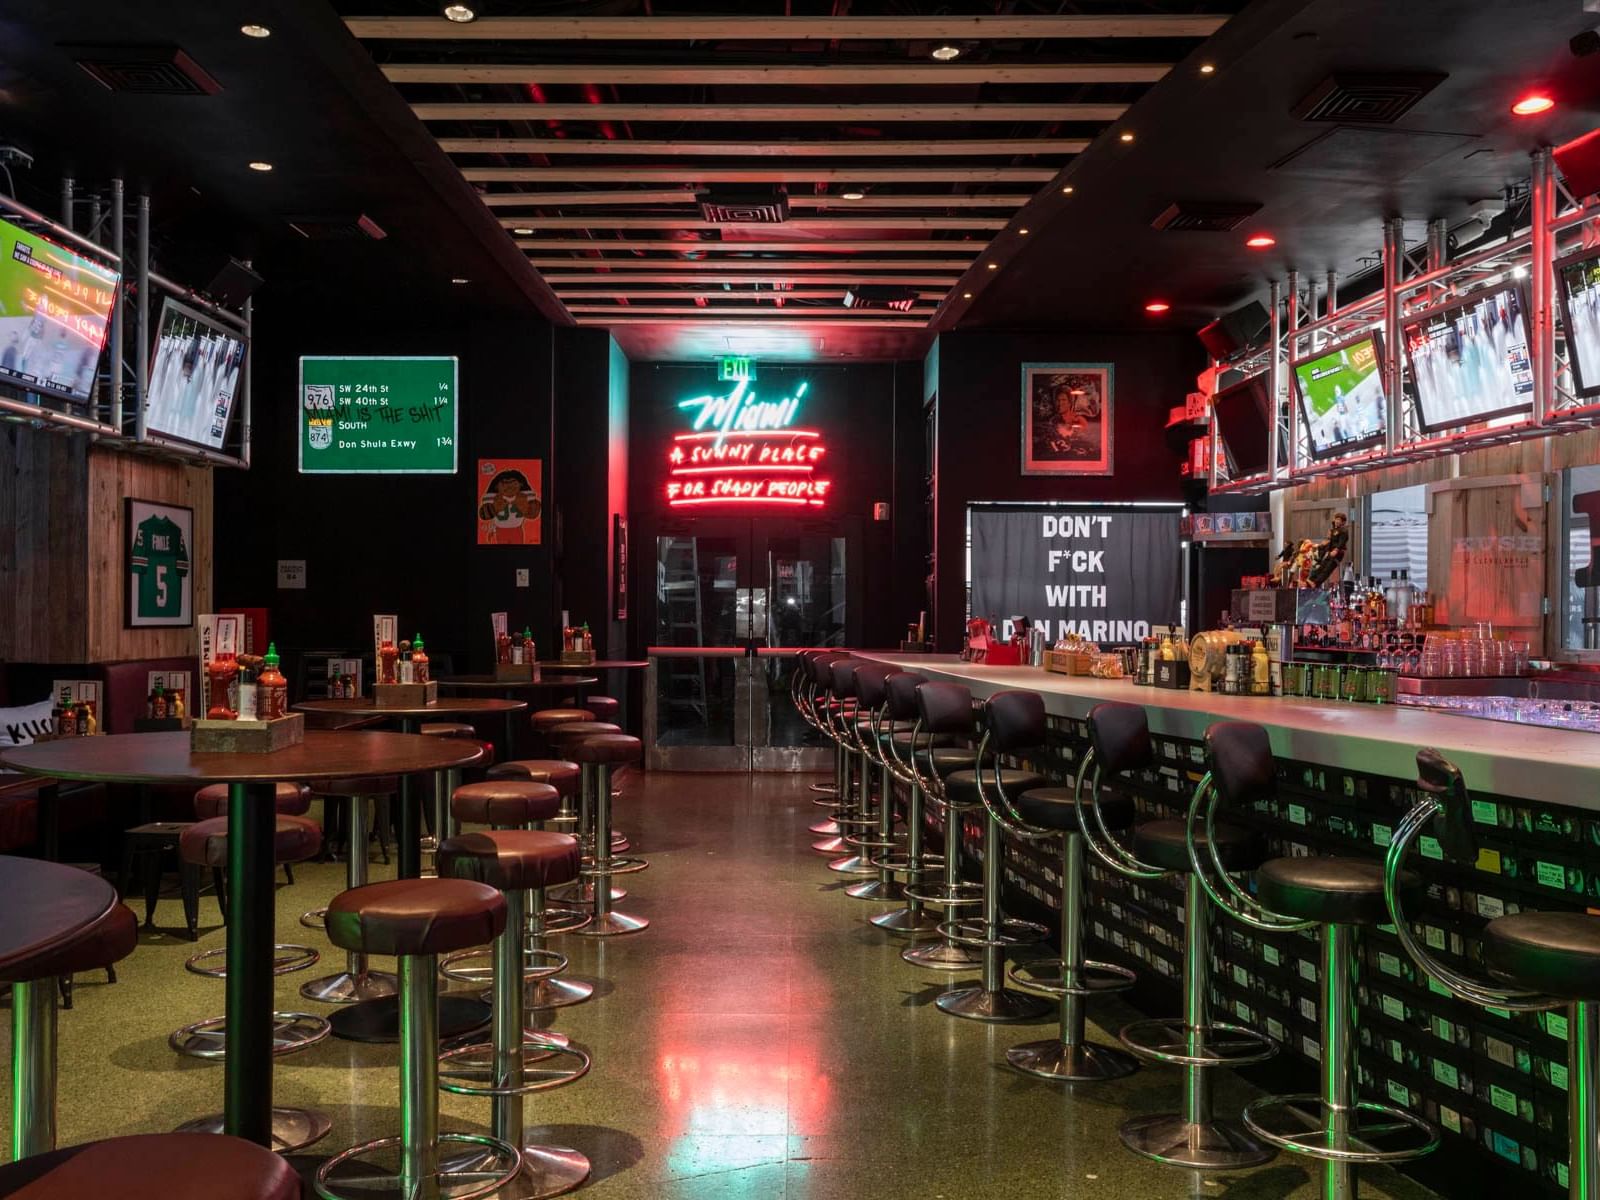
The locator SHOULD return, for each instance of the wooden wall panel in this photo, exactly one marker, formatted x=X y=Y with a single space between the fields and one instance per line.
x=1486 y=553
x=43 y=532
x=111 y=477
x=1579 y=448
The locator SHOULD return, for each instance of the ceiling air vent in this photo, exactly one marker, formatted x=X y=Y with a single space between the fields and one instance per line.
x=1205 y=216
x=744 y=207
x=1360 y=98
x=145 y=70
x=898 y=299
x=337 y=228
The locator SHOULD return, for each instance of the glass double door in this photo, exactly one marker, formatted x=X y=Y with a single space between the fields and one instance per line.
x=734 y=599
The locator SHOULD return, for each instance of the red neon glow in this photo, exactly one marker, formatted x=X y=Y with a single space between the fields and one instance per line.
x=1260 y=241
x=753 y=433
x=1532 y=104
x=1157 y=306
x=685 y=502
x=747 y=468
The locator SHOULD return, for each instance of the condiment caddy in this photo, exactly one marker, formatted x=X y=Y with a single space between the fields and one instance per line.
x=249 y=707
x=577 y=646
x=516 y=658
x=403 y=676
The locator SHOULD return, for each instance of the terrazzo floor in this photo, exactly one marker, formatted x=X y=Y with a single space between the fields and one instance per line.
x=758 y=1041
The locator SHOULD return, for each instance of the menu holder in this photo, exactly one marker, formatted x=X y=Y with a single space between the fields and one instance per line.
x=248 y=736
x=577 y=658
x=513 y=672
x=405 y=695
x=1171 y=673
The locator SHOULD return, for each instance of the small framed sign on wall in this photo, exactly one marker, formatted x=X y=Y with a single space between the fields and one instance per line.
x=159 y=582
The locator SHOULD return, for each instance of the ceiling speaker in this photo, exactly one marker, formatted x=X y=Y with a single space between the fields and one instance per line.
x=233 y=284
x=1579 y=164
x=1235 y=331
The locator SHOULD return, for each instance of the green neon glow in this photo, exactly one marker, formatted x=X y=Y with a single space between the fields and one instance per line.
x=739 y=411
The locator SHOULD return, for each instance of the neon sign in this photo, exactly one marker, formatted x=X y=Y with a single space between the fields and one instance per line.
x=741 y=450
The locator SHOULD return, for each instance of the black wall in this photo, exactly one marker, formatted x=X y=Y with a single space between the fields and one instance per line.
x=979 y=456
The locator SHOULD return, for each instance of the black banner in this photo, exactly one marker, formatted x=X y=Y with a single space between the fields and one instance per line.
x=1107 y=574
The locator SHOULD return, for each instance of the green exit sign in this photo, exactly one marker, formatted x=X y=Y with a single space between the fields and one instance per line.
x=736 y=369
x=380 y=416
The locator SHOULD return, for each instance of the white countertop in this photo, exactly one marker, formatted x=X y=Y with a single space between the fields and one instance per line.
x=1556 y=766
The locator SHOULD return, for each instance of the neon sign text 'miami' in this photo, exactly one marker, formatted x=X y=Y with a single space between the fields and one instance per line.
x=740 y=412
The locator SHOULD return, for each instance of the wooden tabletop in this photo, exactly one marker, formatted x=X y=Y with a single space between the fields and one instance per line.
x=490 y=683
x=445 y=706
x=603 y=664
x=47 y=903
x=166 y=758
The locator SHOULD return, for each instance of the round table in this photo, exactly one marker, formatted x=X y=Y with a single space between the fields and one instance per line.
x=510 y=688
x=49 y=905
x=252 y=817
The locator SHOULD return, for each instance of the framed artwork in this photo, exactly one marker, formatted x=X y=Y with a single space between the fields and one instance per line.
x=510 y=501
x=1066 y=418
x=160 y=584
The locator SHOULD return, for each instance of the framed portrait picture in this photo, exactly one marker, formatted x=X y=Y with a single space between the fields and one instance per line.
x=160 y=583
x=1066 y=418
x=510 y=501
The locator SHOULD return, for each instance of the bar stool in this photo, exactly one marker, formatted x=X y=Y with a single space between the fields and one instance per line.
x=993 y=934
x=944 y=711
x=1339 y=895
x=358 y=981
x=154 y=1166
x=899 y=748
x=205 y=844
x=604 y=708
x=34 y=1008
x=545 y=719
x=852 y=814
x=836 y=796
x=877 y=840
x=802 y=691
x=603 y=753
x=559 y=773
x=1120 y=744
x=561 y=738
x=507 y=804
x=1018 y=727
x=445 y=783
x=516 y=1061
x=416 y=920
x=289 y=799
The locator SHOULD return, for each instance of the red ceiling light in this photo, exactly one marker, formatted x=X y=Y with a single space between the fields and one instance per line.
x=1157 y=307
x=1533 y=104
x=1260 y=241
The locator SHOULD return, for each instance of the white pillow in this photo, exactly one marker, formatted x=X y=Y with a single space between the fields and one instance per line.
x=19 y=726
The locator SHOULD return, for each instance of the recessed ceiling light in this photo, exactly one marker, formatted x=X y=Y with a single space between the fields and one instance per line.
x=1532 y=104
x=1157 y=306
x=1126 y=137
x=524 y=232
x=461 y=13
x=945 y=52
x=1260 y=241
x=255 y=31
x=1068 y=190
x=460 y=279
x=993 y=266
x=260 y=166
x=853 y=194
x=1208 y=69
x=966 y=295
x=1022 y=231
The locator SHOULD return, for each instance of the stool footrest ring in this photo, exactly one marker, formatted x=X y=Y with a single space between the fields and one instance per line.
x=285 y=959
x=1300 y=1125
x=1166 y=1039
x=493 y=1164
x=899 y=863
x=316 y=918
x=871 y=843
x=291 y=1031
x=564 y=918
x=616 y=866
x=470 y=1070
x=974 y=931
x=943 y=896
x=537 y=963
x=1043 y=975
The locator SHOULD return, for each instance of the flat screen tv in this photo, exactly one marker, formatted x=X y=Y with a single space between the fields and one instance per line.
x=196 y=367
x=1580 y=317
x=1243 y=413
x=54 y=306
x=1342 y=402
x=1470 y=362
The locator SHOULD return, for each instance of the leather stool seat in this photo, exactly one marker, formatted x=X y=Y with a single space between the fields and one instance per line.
x=511 y=859
x=293 y=799
x=205 y=843
x=1053 y=808
x=360 y=785
x=1164 y=844
x=154 y=1166
x=604 y=708
x=1553 y=952
x=546 y=719
x=564 y=734
x=447 y=729
x=610 y=748
x=505 y=802
x=108 y=940
x=560 y=774
x=947 y=762
x=961 y=787
x=416 y=916
x=868 y=724
x=1328 y=890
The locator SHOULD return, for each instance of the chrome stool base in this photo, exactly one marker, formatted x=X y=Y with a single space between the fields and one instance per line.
x=1084 y=1061
x=1311 y=1134
x=978 y=1004
x=832 y=846
x=291 y=1032
x=285 y=960
x=612 y=924
x=827 y=827
x=546 y=1171
x=317 y=918
x=1207 y=1146
x=853 y=864
x=345 y=988
x=561 y=918
x=373 y=1169
x=904 y=920
x=583 y=893
x=885 y=891
x=292 y=1128
x=555 y=993
x=941 y=956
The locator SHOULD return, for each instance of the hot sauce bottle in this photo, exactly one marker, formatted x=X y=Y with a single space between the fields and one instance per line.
x=223 y=672
x=67 y=723
x=158 y=702
x=419 y=661
x=388 y=659
x=529 y=654
x=502 y=649
x=272 y=689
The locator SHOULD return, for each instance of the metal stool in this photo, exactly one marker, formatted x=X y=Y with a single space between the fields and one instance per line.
x=205 y=843
x=357 y=981
x=560 y=774
x=851 y=815
x=604 y=708
x=289 y=799
x=416 y=920
x=993 y=934
x=561 y=737
x=898 y=748
x=863 y=733
x=1539 y=960
x=802 y=691
x=506 y=804
x=1018 y=727
x=147 y=844
x=602 y=753
x=517 y=1061
x=944 y=712
x=546 y=719
x=824 y=705
x=34 y=1007
x=444 y=786
x=1340 y=895
x=1119 y=744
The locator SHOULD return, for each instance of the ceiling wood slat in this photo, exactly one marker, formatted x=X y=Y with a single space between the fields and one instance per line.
x=769 y=113
x=962 y=148
x=899 y=28
x=799 y=173
x=802 y=247
x=913 y=221
x=734 y=310
x=803 y=319
x=830 y=74
x=684 y=196
x=781 y=273
x=664 y=292
x=755 y=268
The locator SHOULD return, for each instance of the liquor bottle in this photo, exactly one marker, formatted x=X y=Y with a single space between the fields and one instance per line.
x=406 y=675
x=272 y=689
x=419 y=660
x=249 y=709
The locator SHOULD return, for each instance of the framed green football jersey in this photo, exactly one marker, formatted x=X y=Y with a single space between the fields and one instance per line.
x=160 y=584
